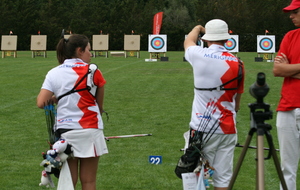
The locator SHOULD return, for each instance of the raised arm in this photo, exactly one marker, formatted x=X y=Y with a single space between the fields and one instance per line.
x=192 y=37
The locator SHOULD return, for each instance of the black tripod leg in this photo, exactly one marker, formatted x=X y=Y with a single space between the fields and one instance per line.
x=276 y=161
x=241 y=159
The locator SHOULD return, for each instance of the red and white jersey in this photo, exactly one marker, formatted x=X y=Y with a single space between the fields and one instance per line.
x=77 y=110
x=213 y=67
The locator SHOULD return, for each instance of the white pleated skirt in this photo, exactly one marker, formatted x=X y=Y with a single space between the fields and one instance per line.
x=86 y=143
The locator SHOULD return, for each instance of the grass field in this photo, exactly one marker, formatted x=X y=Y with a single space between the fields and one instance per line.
x=140 y=97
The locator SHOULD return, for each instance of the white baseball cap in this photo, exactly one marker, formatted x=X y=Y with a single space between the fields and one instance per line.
x=216 y=30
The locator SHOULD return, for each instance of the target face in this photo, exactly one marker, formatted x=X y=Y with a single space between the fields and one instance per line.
x=38 y=42
x=232 y=44
x=157 y=43
x=132 y=42
x=100 y=42
x=9 y=42
x=266 y=44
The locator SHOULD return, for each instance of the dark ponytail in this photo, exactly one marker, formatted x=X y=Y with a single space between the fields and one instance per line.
x=66 y=48
x=60 y=51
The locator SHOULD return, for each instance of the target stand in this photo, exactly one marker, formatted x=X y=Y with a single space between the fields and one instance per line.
x=38 y=53
x=100 y=45
x=99 y=53
x=132 y=45
x=9 y=53
x=157 y=55
x=38 y=46
x=269 y=57
x=235 y=54
x=9 y=45
x=132 y=53
x=265 y=48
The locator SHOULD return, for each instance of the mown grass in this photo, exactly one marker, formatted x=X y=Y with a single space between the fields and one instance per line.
x=140 y=97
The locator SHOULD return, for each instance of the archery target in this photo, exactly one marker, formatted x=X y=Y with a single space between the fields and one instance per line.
x=38 y=42
x=265 y=44
x=9 y=42
x=100 y=42
x=132 y=42
x=232 y=44
x=157 y=43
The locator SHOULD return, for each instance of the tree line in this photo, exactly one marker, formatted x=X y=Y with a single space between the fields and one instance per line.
x=246 y=18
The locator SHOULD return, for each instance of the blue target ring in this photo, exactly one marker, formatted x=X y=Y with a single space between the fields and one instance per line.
x=266 y=44
x=230 y=44
x=157 y=43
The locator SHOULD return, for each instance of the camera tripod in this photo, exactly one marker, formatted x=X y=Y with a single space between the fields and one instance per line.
x=258 y=126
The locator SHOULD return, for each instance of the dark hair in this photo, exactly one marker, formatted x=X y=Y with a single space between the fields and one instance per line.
x=66 y=48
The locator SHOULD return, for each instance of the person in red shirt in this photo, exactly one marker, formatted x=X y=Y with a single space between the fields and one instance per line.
x=287 y=65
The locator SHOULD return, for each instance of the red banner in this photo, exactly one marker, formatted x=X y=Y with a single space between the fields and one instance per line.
x=157 y=21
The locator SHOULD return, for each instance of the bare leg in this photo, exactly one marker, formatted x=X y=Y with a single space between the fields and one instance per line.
x=73 y=165
x=220 y=188
x=88 y=172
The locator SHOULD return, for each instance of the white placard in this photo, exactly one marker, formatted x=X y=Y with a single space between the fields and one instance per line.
x=189 y=181
x=232 y=44
x=265 y=44
x=157 y=43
